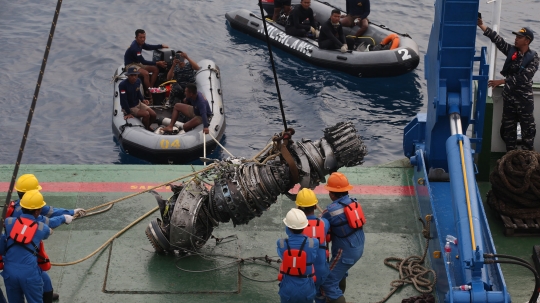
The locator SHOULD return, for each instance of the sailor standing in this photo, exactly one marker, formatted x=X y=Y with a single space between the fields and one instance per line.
x=346 y=224
x=24 y=255
x=298 y=253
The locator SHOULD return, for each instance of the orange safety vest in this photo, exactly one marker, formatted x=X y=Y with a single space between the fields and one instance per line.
x=22 y=233
x=295 y=263
x=11 y=209
x=316 y=230
x=355 y=214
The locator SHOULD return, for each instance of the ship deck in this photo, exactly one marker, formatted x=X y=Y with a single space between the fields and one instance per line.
x=130 y=271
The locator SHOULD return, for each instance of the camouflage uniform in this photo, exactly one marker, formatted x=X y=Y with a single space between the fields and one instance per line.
x=183 y=76
x=518 y=101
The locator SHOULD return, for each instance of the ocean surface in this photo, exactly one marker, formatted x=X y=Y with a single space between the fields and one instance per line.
x=72 y=119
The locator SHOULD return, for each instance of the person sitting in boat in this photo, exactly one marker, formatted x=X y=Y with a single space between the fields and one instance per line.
x=134 y=57
x=279 y=5
x=357 y=13
x=198 y=112
x=184 y=73
x=132 y=101
x=331 y=36
x=295 y=23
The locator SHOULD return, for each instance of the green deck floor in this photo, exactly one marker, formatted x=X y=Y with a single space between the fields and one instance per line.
x=134 y=273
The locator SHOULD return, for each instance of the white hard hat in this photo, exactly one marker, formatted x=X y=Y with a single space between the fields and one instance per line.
x=295 y=219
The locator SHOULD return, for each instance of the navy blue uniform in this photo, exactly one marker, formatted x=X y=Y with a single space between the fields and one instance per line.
x=296 y=289
x=51 y=216
x=358 y=8
x=22 y=275
x=347 y=247
x=201 y=108
x=130 y=95
x=134 y=53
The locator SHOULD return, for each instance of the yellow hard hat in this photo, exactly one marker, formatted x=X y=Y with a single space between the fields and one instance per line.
x=338 y=183
x=295 y=219
x=32 y=199
x=27 y=182
x=306 y=198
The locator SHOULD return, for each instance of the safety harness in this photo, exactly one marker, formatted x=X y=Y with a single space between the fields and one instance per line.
x=355 y=217
x=11 y=209
x=295 y=262
x=22 y=233
x=511 y=56
x=315 y=229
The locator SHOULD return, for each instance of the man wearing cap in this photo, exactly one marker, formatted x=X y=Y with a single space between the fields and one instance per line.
x=347 y=241
x=22 y=275
x=133 y=57
x=298 y=253
x=317 y=228
x=518 y=103
x=183 y=73
x=132 y=101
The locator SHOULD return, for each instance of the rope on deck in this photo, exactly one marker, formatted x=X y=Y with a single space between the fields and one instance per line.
x=515 y=185
x=411 y=270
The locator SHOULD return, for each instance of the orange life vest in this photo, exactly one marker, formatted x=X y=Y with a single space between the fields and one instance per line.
x=355 y=214
x=315 y=230
x=295 y=263
x=11 y=209
x=22 y=233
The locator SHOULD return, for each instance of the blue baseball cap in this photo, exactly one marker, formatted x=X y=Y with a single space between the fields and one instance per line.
x=132 y=71
x=525 y=32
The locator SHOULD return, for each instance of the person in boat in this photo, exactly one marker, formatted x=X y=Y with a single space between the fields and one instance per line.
x=279 y=5
x=24 y=256
x=346 y=229
x=183 y=73
x=51 y=216
x=132 y=100
x=317 y=228
x=199 y=112
x=357 y=13
x=331 y=36
x=133 y=57
x=518 y=71
x=296 y=22
x=298 y=254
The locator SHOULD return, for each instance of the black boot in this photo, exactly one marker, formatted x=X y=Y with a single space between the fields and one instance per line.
x=55 y=296
x=338 y=300
x=48 y=297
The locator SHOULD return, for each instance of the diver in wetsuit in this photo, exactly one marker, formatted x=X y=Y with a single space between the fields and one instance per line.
x=299 y=14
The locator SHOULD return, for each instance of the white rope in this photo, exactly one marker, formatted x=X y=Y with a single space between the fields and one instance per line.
x=221 y=145
x=204 y=147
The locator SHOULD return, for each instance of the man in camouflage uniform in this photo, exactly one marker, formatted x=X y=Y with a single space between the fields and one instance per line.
x=518 y=102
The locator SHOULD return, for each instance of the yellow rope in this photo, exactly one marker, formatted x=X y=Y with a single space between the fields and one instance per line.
x=467 y=194
x=108 y=241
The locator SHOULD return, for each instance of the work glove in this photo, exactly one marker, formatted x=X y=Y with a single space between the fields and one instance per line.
x=80 y=211
x=68 y=218
x=313 y=30
x=344 y=48
x=357 y=21
x=317 y=33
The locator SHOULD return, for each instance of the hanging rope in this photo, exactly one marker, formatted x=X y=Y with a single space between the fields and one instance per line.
x=30 y=113
x=273 y=66
x=515 y=185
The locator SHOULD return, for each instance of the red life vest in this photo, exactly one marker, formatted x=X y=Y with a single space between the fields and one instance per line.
x=295 y=263
x=11 y=209
x=315 y=230
x=1 y=263
x=22 y=233
x=355 y=214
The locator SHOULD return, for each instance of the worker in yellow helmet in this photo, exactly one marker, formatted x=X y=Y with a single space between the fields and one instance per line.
x=346 y=225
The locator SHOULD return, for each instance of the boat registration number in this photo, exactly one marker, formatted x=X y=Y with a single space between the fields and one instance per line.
x=166 y=144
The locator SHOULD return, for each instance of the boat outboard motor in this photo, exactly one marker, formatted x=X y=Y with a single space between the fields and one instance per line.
x=244 y=190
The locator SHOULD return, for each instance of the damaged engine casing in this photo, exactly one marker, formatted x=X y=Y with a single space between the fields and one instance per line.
x=244 y=191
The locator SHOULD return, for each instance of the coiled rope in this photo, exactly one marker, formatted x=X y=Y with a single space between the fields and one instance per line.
x=515 y=185
x=411 y=270
x=30 y=113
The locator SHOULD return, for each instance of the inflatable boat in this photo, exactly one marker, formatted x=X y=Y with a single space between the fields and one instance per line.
x=403 y=58
x=179 y=148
